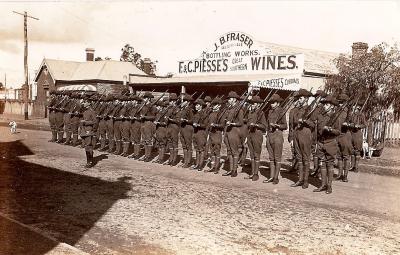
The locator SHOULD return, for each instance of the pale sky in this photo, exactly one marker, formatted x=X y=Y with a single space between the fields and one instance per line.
x=169 y=31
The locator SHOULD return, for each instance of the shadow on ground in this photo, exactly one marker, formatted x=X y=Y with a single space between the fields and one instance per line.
x=65 y=205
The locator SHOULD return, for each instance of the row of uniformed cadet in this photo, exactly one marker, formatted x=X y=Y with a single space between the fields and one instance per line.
x=141 y=120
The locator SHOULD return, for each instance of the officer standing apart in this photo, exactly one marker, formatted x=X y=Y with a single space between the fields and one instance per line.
x=87 y=123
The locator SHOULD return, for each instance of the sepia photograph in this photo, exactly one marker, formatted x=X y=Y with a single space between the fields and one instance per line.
x=185 y=127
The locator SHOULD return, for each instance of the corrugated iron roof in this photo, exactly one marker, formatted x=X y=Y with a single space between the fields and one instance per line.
x=315 y=61
x=107 y=70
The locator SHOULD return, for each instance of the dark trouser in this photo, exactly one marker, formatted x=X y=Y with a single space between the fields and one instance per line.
x=302 y=145
x=110 y=134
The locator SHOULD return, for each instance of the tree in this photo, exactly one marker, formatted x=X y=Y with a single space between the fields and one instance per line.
x=374 y=75
x=129 y=55
x=1 y=86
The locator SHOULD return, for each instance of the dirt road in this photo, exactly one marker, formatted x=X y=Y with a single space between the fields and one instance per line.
x=123 y=206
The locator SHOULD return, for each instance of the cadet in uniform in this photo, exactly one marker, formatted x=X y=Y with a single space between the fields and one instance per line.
x=276 y=123
x=200 y=124
x=216 y=126
x=327 y=144
x=161 y=130
x=52 y=114
x=87 y=122
x=103 y=117
x=136 y=124
x=147 y=115
x=76 y=114
x=257 y=125
x=67 y=118
x=185 y=118
x=118 y=118
x=292 y=130
x=344 y=140
x=114 y=110
x=172 y=129
x=126 y=126
x=357 y=123
x=59 y=117
x=319 y=94
x=302 y=138
x=208 y=110
x=244 y=131
x=234 y=120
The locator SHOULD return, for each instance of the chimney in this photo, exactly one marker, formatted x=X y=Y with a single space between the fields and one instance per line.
x=89 y=54
x=359 y=49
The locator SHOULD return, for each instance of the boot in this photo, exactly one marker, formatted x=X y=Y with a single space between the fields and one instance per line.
x=235 y=166
x=53 y=136
x=230 y=158
x=315 y=166
x=67 y=138
x=136 y=151
x=102 y=144
x=306 y=169
x=216 y=165
x=277 y=171
x=60 y=135
x=89 y=159
x=147 y=151
x=201 y=161
x=212 y=165
x=253 y=163
x=125 y=148
x=340 y=168
x=171 y=154
x=301 y=176
x=346 y=170
x=324 y=180
x=196 y=165
x=184 y=159
x=353 y=162
x=174 y=156
x=161 y=152
x=256 y=167
x=117 y=148
x=74 y=140
x=271 y=172
x=111 y=143
x=189 y=159
x=330 y=178
x=295 y=165
x=356 y=160
x=243 y=156
x=94 y=142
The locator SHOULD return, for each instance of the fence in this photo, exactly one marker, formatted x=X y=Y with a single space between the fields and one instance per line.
x=383 y=130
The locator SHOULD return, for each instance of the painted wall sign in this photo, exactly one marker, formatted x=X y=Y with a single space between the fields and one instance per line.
x=238 y=53
x=281 y=82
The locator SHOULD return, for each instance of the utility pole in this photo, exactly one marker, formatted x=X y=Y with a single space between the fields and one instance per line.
x=26 y=85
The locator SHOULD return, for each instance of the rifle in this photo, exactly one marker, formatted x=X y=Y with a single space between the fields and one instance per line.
x=202 y=93
x=153 y=103
x=240 y=106
x=337 y=114
x=286 y=108
x=266 y=99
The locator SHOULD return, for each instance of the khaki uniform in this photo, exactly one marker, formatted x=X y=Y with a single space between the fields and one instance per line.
x=275 y=140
